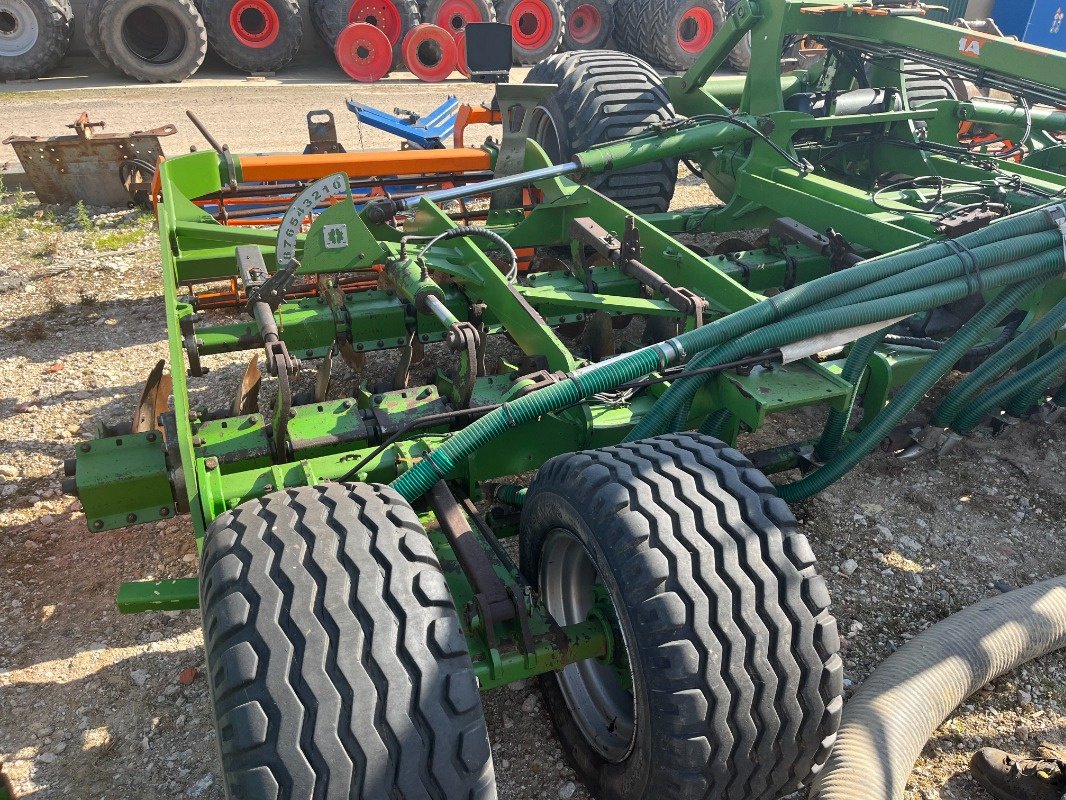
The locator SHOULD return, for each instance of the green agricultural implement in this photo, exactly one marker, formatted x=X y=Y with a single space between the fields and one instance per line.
x=428 y=328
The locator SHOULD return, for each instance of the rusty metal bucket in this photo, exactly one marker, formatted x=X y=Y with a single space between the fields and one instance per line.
x=87 y=166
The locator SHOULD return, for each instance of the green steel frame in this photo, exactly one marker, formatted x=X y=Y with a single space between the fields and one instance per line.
x=369 y=290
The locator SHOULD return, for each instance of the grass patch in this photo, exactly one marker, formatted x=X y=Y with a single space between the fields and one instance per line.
x=117 y=240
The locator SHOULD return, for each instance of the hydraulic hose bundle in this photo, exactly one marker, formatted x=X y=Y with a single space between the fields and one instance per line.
x=1017 y=255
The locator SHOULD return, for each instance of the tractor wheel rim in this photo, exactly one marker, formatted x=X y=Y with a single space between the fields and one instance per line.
x=585 y=24
x=364 y=52
x=18 y=28
x=379 y=13
x=455 y=15
x=531 y=24
x=695 y=30
x=254 y=23
x=460 y=54
x=602 y=707
x=430 y=53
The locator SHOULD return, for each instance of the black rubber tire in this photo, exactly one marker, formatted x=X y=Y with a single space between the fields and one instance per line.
x=664 y=17
x=631 y=21
x=526 y=56
x=37 y=55
x=430 y=8
x=736 y=675
x=336 y=662
x=181 y=52
x=740 y=56
x=239 y=55
x=91 y=28
x=600 y=42
x=604 y=95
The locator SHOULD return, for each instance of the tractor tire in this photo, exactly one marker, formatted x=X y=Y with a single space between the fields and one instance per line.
x=679 y=30
x=254 y=35
x=34 y=37
x=603 y=96
x=93 y=14
x=537 y=28
x=589 y=24
x=154 y=41
x=740 y=57
x=336 y=662
x=454 y=15
x=631 y=21
x=730 y=683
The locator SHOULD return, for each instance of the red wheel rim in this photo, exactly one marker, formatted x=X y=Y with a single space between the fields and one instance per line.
x=364 y=52
x=430 y=53
x=585 y=24
x=531 y=24
x=695 y=30
x=460 y=53
x=254 y=23
x=455 y=15
x=379 y=13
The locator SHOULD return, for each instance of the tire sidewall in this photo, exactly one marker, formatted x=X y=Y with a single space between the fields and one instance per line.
x=114 y=15
x=547 y=511
x=252 y=59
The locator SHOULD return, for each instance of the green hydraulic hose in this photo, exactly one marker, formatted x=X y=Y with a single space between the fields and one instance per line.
x=715 y=422
x=854 y=367
x=977 y=259
x=1044 y=369
x=1033 y=395
x=997 y=365
x=911 y=394
x=1059 y=398
x=605 y=376
x=673 y=406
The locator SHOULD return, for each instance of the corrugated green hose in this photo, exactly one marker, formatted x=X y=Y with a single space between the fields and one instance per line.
x=1033 y=395
x=672 y=408
x=911 y=394
x=997 y=365
x=1042 y=371
x=854 y=367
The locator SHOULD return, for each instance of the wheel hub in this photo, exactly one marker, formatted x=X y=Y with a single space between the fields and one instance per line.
x=18 y=28
x=695 y=30
x=597 y=691
x=586 y=23
x=254 y=23
x=531 y=25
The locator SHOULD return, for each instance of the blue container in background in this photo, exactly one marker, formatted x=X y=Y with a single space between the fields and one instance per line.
x=1039 y=22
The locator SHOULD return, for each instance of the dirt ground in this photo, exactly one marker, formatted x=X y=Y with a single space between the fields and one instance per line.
x=98 y=705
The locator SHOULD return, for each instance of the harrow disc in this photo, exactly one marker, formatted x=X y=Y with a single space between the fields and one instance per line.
x=364 y=52
x=430 y=53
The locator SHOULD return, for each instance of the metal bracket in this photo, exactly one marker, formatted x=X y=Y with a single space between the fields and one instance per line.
x=322 y=133
x=517 y=102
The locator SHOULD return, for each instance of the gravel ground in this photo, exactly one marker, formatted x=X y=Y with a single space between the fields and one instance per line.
x=98 y=705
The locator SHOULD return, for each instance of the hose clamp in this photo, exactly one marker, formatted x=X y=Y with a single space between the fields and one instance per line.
x=676 y=353
x=974 y=281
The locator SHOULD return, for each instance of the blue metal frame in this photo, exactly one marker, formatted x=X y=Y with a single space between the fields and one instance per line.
x=426 y=132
